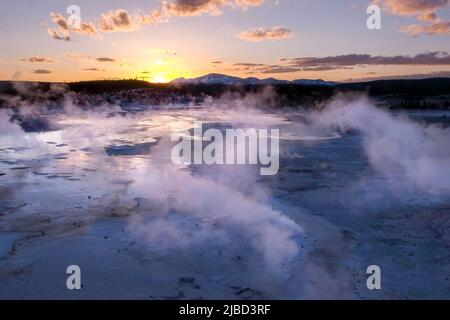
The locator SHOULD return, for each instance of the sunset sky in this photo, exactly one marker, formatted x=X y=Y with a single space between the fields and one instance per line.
x=163 y=40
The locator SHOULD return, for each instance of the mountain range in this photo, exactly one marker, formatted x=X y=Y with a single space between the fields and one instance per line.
x=222 y=79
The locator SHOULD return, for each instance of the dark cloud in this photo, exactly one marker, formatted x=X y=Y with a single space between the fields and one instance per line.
x=199 y=7
x=105 y=59
x=42 y=71
x=350 y=60
x=118 y=20
x=58 y=34
x=95 y=69
x=38 y=60
x=342 y=62
x=60 y=20
x=272 y=33
x=247 y=64
x=83 y=58
x=279 y=69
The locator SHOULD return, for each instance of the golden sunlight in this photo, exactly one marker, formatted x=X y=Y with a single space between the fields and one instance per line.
x=159 y=78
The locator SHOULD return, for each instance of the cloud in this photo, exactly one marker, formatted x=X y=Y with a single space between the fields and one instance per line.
x=272 y=33
x=113 y=21
x=351 y=60
x=122 y=21
x=63 y=29
x=42 y=71
x=60 y=20
x=161 y=51
x=118 y=21
x=199 y=7
x=84 y=28
x=413 y=7
x=83 y=58
x=94 y=69
x=342 y=62
x=58 y=34
x=87 y=28
x=75 y=56
x=279 y=69
x=38 y=60
x=424 y=10
x=248 y=64
x=436 y=28
x=428 y=17
x=105 y=59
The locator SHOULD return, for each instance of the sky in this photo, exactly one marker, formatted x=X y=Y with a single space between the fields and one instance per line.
x=159 y=41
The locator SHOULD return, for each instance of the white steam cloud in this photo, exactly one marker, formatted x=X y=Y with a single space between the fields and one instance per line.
x=190 y=210
x=413 y=156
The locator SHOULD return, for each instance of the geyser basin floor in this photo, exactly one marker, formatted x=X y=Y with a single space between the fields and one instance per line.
x=64 y=201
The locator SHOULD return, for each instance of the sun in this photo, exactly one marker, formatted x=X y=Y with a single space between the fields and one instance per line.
x=159 y=79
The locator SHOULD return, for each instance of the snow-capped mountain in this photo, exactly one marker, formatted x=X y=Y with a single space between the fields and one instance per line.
x=215 y=78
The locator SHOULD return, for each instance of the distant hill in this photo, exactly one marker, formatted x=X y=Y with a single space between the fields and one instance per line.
x=222 y=79
x=413 y=87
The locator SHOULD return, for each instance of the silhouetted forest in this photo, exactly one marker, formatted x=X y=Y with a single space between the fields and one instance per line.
x=433 y=93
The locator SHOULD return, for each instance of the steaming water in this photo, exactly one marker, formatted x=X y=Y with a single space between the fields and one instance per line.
x=100 y=192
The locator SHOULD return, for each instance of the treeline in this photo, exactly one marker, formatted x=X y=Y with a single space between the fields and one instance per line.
x=408 y=88
x=418 y=88
x=431 y=93
x=420 y=104
x=102 y=86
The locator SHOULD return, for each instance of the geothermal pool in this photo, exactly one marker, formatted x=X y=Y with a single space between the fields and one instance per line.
x=357 y=186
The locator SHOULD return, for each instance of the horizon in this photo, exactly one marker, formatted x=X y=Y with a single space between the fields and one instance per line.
x=161 y=41
x=242 y=78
